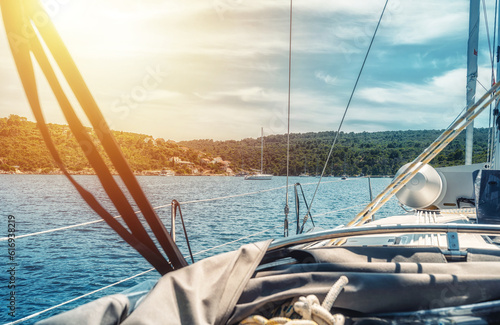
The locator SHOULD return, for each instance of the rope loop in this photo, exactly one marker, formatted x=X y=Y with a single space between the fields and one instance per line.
x=309 y=308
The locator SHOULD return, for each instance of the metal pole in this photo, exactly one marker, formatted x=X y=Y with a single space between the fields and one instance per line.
x=371 y=194
x=472 y=54
x=172 y=219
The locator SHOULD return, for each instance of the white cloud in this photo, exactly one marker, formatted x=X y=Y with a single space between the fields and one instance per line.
x=433 y=104
x=326 y=78
x=443 y=89
x=226 y=61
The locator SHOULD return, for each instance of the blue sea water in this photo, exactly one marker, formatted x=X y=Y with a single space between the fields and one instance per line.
x=55 y=267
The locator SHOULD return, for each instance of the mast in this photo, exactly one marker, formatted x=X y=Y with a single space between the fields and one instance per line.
x=472 y=48
x=496 y=153
x=261 y=149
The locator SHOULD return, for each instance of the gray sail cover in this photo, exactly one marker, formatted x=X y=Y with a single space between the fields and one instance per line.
x=227 y=288
x=203 y=293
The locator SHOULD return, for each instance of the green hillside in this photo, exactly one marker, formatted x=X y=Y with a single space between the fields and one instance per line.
x=375 y=153
x=378 y=153
x=23 y=149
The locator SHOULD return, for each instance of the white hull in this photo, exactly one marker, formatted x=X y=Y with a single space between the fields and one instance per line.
x=259 y=177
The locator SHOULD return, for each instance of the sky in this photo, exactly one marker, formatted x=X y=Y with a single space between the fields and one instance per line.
x=218 y=69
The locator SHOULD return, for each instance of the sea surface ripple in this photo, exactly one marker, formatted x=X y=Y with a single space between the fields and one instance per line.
x=55 y=267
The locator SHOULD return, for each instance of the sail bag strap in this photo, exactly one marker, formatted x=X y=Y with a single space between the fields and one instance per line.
x=27 y=24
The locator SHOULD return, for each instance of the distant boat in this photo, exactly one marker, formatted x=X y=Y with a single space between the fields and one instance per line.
x=167 y=173
x=344 y=177
x=260 y=176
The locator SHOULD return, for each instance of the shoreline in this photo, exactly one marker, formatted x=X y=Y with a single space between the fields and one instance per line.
x=85 y=172
x=158 y=173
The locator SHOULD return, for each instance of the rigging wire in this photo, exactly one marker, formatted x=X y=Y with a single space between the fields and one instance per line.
x=57 y=229
x=177 y=207
x=235 y=241
x=17 y=16
x=488 y=38
x=345 y=113
x=152 y=269
x=130 y=278
x=287 y=209
x=427 y=155
x=486 y=89
x=157 y=208
x=494 y=40
x=300 y=229
x=339 y=210
x=491 y=49
x=77 y=298
x=493 y=130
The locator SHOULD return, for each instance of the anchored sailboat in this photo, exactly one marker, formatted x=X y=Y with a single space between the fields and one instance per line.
x=260 y=176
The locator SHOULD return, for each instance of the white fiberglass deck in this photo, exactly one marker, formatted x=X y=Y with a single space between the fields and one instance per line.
x=457 y=216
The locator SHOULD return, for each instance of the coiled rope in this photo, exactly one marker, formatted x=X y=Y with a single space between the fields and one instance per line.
x=309 y=308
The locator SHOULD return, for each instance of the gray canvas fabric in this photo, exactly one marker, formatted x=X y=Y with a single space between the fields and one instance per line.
x=203 y=293
x=108 y=310
x=373 y=287
x=227 y=288
x=400 y=254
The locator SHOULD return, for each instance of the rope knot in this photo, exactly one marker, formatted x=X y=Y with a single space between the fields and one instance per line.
x=310 y=309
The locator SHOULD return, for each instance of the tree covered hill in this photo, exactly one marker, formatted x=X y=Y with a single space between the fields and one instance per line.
x=22 y=149
x=375 y=153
